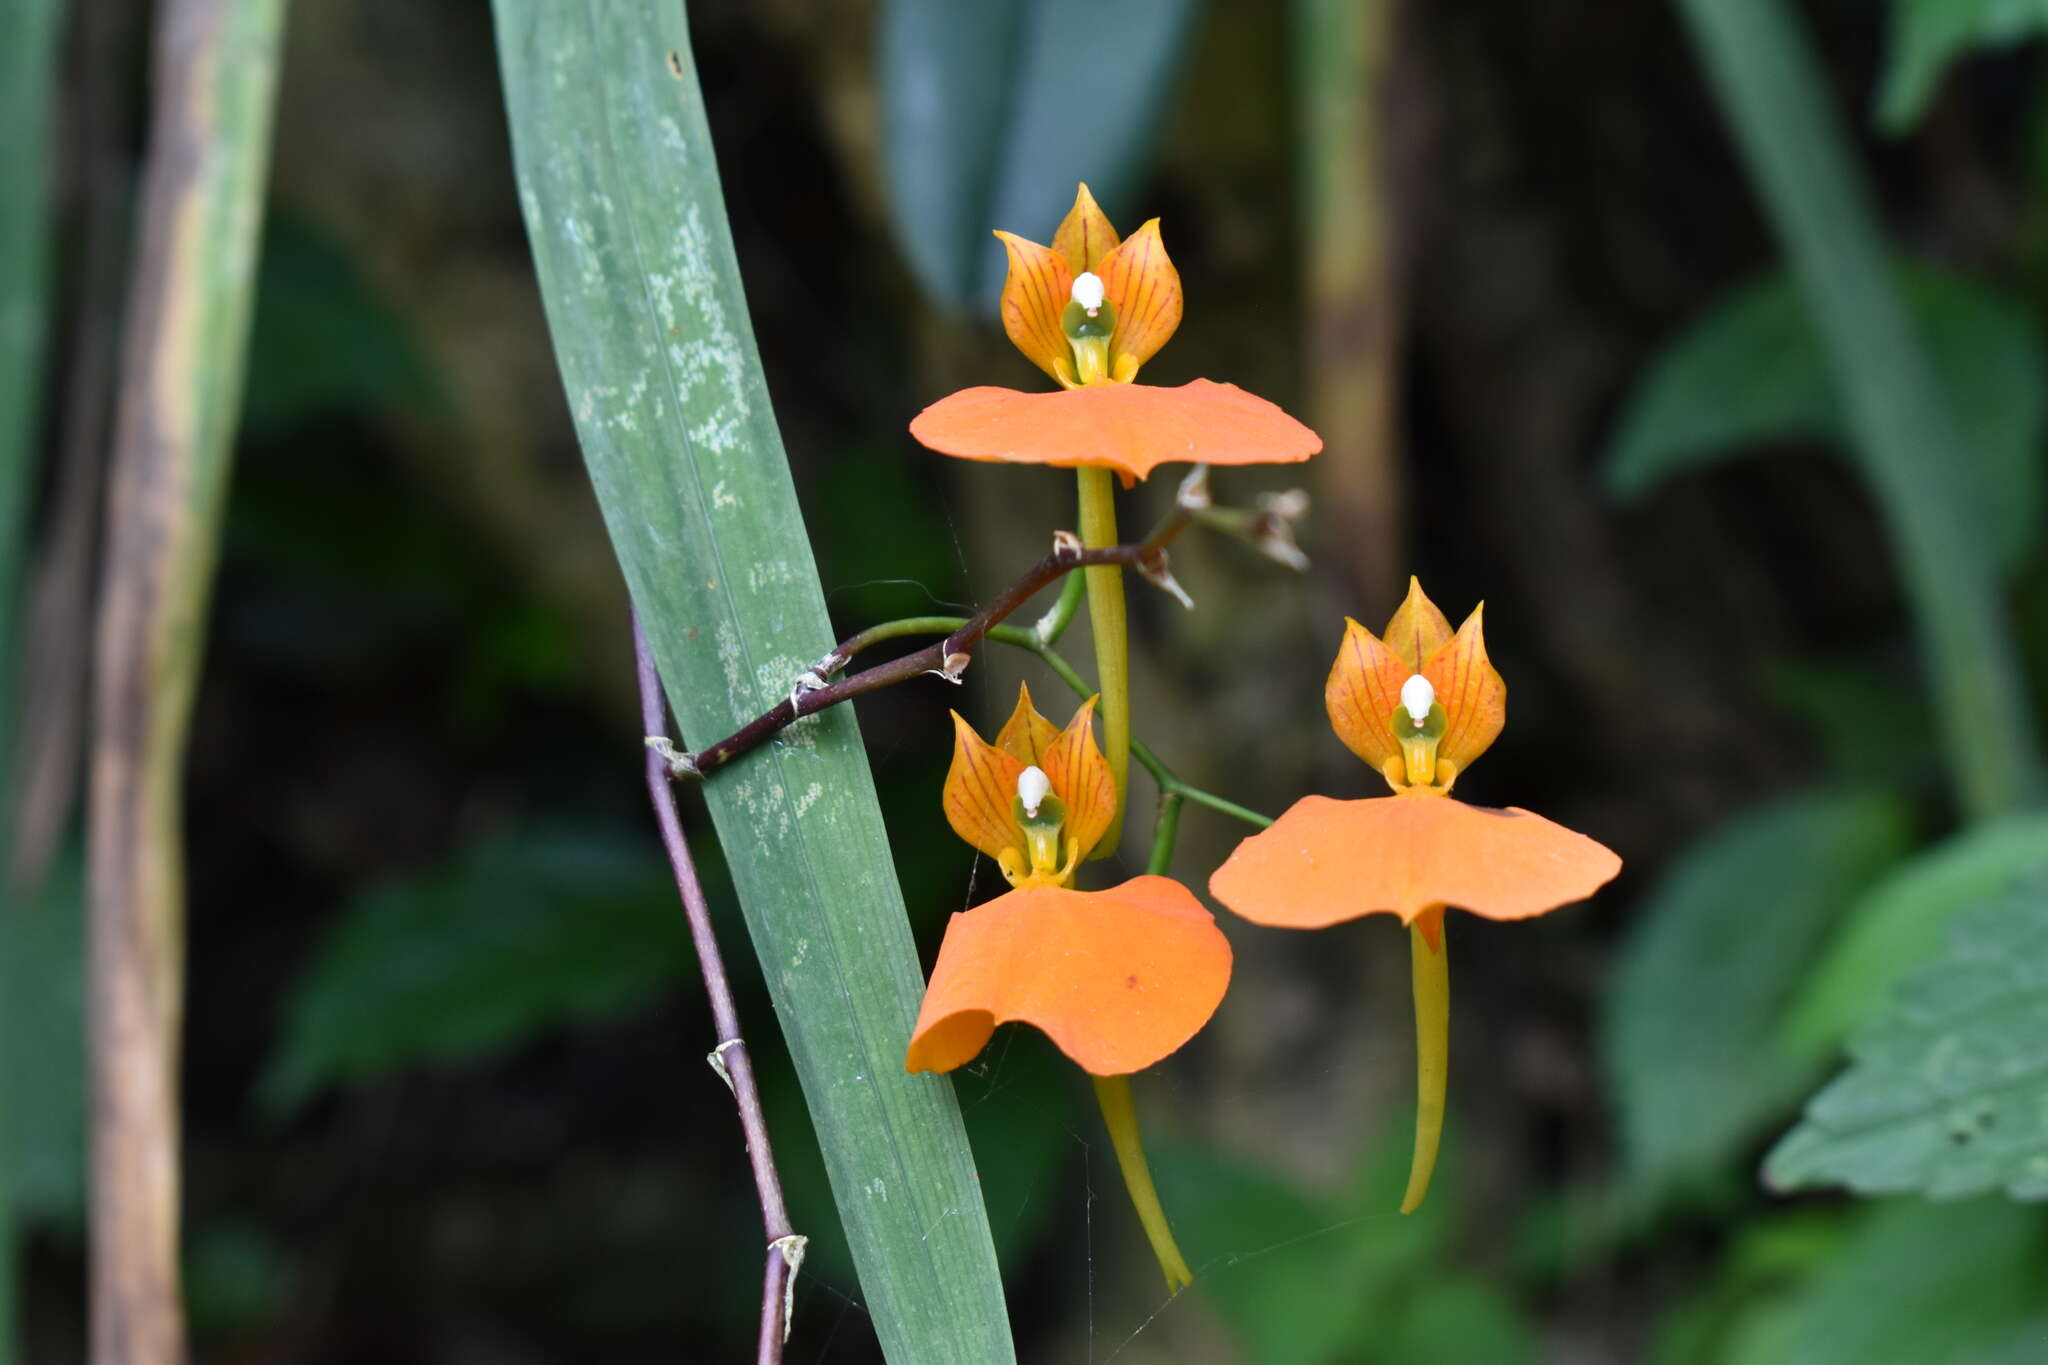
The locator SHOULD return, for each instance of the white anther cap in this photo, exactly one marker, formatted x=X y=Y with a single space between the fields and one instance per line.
x=1417 y=696
x=1032 y=786
x=1088 y=291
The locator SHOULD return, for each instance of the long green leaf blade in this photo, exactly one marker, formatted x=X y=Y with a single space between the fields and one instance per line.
x=636 y=264
x=1774 y=94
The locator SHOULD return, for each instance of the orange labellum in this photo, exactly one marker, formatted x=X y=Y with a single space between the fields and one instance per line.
x=1326 y=861
x=1118 y=979
x=1131 y=428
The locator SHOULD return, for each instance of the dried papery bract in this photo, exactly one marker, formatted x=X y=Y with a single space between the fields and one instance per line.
x=1419 y=703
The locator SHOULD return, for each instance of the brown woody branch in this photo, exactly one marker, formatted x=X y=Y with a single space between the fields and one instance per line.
x=947 y=658
x=785 y=1248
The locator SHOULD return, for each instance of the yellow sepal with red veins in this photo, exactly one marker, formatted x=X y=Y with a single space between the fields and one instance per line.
x=1470 y=690
x=1084 y=235
x=1081 y=777
x=1142 y=286
x=1363 y=689
x=980 y=787
x=1423 y=703
x=1035 y=292
x=1136 y=280
x=982 y=797
x=1026 y=735
x=1417 y=629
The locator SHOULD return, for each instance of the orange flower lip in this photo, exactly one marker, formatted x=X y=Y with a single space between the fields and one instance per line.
x=1326 y=861
x=1131 y=428
x=1118 y=979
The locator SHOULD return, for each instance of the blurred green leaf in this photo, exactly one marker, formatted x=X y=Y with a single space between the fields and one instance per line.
x=1751 y=369
x=29 y=62
x=321 y=341
x=518 y=936
x=1946 y=1090
x=1868 y=722
x=994 y=111
x=1899 y=924
x=1454 y=1318
x=1300 y=1279
x=1272 y=1261
x=2026 y=1345
x=42 y=1048
x=1721 y=942
x=1916 y=1284
x=1766 y=1259
x=237 y=1279
x=1928 y=35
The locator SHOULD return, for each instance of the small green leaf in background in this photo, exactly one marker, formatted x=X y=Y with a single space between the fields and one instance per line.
x=1455 y=1317
x=237 y=1279
x=1303 y=1280
x=42 y=1049
x=1765 y=1258
x=1914 y=1284
x=1900 y=922
x=1928 y=35
x=993 y=111
x=321 y=340
x=1868 y=722
x=1270 y=1259
x=1720 y=944
x=1946 y=1091
x=517 y=936
x=2026 y=1345
x=1750 y=369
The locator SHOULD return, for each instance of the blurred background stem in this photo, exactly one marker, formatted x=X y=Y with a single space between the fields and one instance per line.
x=97 y=118
x=1777 y=100
x=1341 y=56
x=182 y=363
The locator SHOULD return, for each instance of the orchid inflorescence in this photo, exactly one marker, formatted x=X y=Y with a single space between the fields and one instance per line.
x=1120 y=978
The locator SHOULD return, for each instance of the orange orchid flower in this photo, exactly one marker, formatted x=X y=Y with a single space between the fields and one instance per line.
x=1419 y=704
x=1089 y=310
x=1118 y=979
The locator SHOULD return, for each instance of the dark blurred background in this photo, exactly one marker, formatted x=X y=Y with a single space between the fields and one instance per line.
x=445 y=1095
